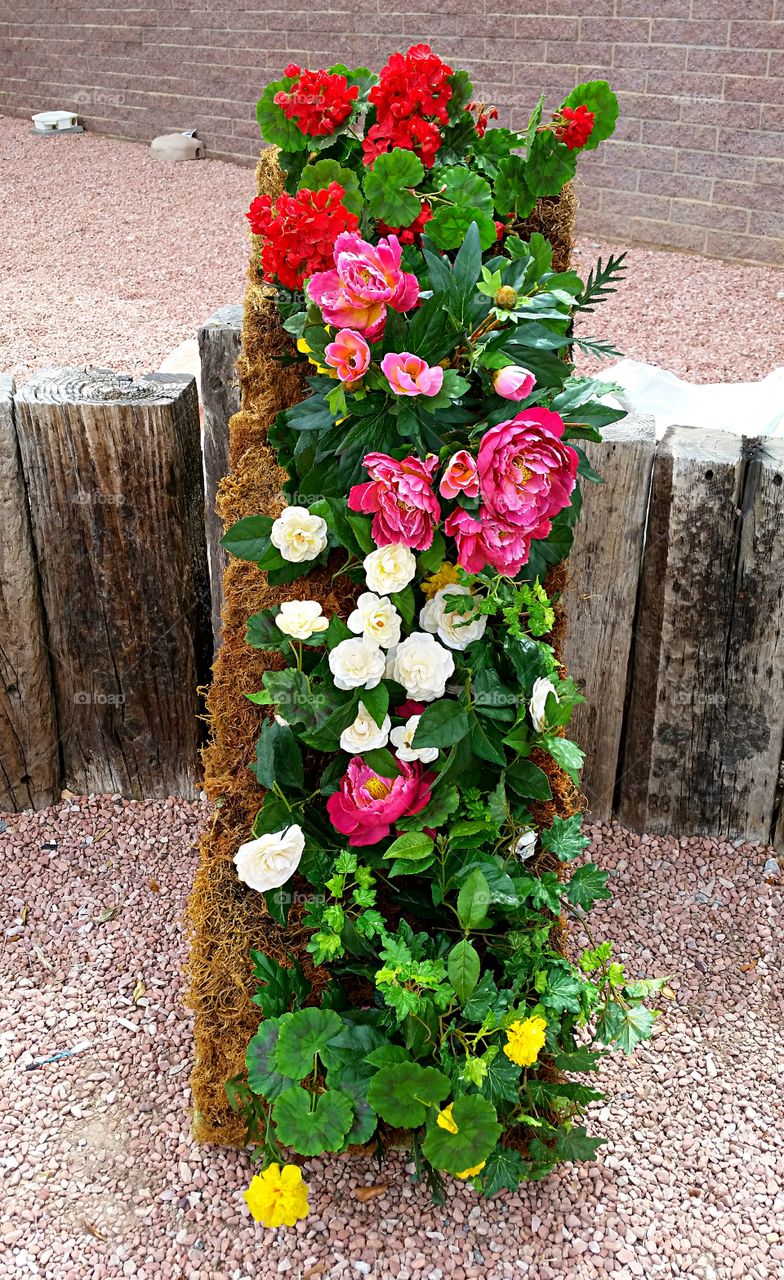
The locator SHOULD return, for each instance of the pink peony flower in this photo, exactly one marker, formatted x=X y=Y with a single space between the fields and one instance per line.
x=349 y=354
x=460 y=476
x=408 y=375
x=514 y=382
x=526 y=473
x=365 y=281
x=368 y=805
x=485 y=540
x=401 y=497
x=467 y=533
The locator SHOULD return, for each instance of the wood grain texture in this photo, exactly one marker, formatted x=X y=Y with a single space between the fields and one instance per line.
x=220 y=340
x=29 y=756
x=113 y=472
x=601 y=597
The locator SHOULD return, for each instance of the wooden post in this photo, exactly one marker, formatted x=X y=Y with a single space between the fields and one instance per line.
x=29 y=755
x=601 y=597
x=114 y=477
x=220 y=339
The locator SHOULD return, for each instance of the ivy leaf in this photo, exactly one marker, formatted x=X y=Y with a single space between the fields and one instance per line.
x=278 y=758
x=442 y=724
x=582 y=1059
x=410 y=847
x=303 y=1035
x=473 y=901
x=502 y=1082
x=562 y=992
x=550 y=165
x=279 y=985
x=264 y=1074
x=248 y=539
x=482 y=999
x=565 y=753
x=511 y=191
x=504 y=1171
x=312 y=1129
x=565 y=838
x=386 y=187
x=319 y=175
x=463 y=969
x=401 y=1093
x=262 y=633
x=626 y=1027
x=587 y=885
x=598 y=97
x=543 y=890
x=575 y=1144
x=478 y=1131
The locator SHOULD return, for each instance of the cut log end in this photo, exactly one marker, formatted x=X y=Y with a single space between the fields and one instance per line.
x=101 y=386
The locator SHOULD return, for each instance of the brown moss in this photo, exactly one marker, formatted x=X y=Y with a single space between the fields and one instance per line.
x=225 y=919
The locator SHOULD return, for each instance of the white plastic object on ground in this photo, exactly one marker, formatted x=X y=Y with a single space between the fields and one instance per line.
x=744 y=408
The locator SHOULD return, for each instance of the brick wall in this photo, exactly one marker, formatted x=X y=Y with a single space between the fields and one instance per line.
x=697 y=162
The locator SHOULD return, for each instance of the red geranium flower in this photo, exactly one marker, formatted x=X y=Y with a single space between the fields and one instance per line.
x=411 y=96
x=574 y=126
x=318 y=101
x=299 y=232
x=411 y=233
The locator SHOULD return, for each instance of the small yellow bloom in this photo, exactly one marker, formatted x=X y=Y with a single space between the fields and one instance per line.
x=524 y=1041
x=278 y=1197
x=446 y=576
x=471 y=1173
x=308 y=351
x=445 y=1120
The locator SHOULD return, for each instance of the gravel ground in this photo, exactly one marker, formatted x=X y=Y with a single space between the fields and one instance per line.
x=112 y=258
x=101 y=1178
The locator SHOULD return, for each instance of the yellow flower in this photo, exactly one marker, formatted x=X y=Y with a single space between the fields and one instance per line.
x=446 y=576
x=278 y=1197
x=445 y=1121
x=524 y=1040
x=308 y=351
x=471 y=1173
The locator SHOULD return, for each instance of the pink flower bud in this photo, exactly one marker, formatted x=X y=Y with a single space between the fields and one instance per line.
x=409 y=375
x=514 y=382
x=460 y=476
x=349 y=354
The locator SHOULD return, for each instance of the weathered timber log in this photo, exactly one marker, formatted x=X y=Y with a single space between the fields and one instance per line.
x=220 y=340
x=601 y=596
x=114 y=477
x=29 y=755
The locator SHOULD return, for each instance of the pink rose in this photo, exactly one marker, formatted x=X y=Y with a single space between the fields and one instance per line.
x=349 y=354
x=401 y=497
x=408 y=375
x=526 y=473
x=514 y=382
x=365 y=281
x=368 y=805
x=460 y=476
x=484 y=540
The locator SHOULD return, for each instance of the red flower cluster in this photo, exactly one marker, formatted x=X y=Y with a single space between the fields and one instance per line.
x=411 y=101
x=411 y=233
x=318 y=101
x=574 y=127
x=484 y=115
x=300 y=232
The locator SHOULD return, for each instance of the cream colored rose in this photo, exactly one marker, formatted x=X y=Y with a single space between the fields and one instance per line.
x=298 y=535
x=301 y=619
x=536 y=706
x=423 y=666
x=271 y=860
x=356 y=664
x=364 y=734
x=390 y=569
x=457 y=630
x=403 y=736
x=377 y=619
x=525 y=846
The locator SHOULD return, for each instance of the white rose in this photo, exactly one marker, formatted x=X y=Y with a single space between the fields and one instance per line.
x=298 y=535
x=525 y=847
x=364 y=734
x=423 y=667
x=356 y=664
x=301 y=619
x=390 y=569
x=271 y=860
x=403 y=736
x=457 y=630
x=377 y=619
x=536 y=706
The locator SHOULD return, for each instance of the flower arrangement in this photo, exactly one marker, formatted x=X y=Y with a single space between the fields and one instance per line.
x=410 y=749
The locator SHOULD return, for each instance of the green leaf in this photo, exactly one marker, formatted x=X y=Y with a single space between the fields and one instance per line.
x=262 y=633
x=278 y=758
x=276 y=128
x=402 y=1093
x=478 y=1131
x=463 y=187
x=550 y=165
x=279 y=985
x=319 y=175
x=442 y=724
x=404 y=600
x=404 y=867
x=303 y=1035
x=312 y=1129
x=463 y=968
x=264 y=1074
x=504 y=1171
x=376 y=702
x=562 y=992
x=449 y=227
x=248 y=539
x=473 y=901
x=502 y=1082
x=565 y=838
x=565 y=753
x=386 y=187
x=410 y=847
x=382 y=762
x=487 y=742
x=626 y=1027
x=386 y=1055
x=598 y=97
x=575 y=1144
x=587 y=885
x=444 y=803
x=528 y=781
x=511 y=191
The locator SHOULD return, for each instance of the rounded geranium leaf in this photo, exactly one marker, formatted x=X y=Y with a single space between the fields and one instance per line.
x=477 y=1133
x=309 y=1126
x=599 y=98
x=401 y=1093
x=386 y=187
x=511 y=190
x=261 y=1059
x=447 y=228
x=302 y=1035
x=275 y=128
x=465 y=188
x=550 y=165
